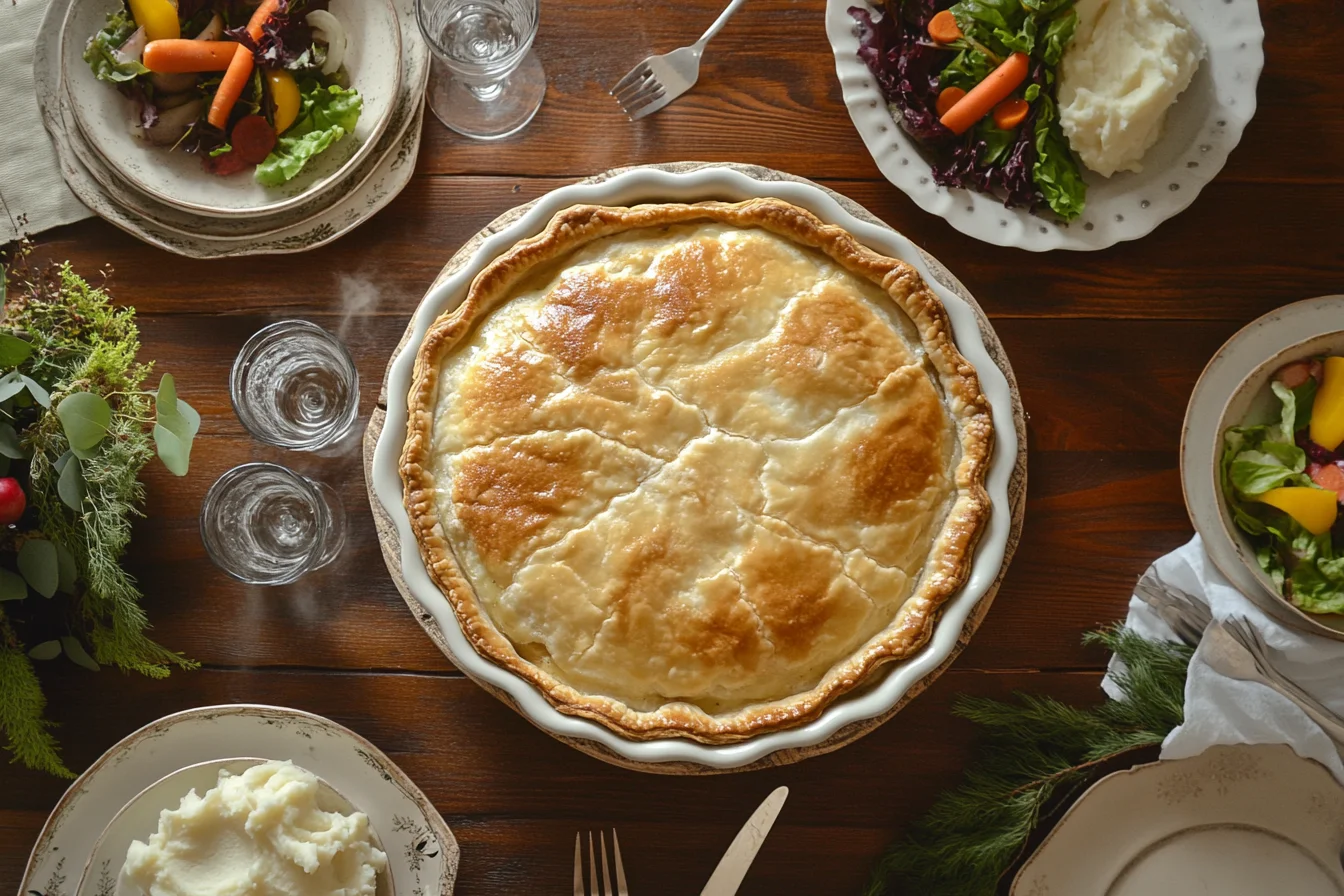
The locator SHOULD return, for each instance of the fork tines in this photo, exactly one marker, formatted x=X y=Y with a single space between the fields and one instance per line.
x=639 y=91
x=592 y=866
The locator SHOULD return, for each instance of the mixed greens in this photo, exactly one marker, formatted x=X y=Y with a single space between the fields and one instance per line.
x=1283 y=482
x=257 y=85
x=930 y=58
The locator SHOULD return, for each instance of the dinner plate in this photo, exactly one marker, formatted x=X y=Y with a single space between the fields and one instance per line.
x=422 y=854
x=104 y=117
x=1231 y=391
x=652 y=185
x=393 y=170
x=1202 y=128
x=1235 y=821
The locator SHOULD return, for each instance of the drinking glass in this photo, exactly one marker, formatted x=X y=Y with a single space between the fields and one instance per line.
x=294 y=385
x=485 y=80
x=264 y=524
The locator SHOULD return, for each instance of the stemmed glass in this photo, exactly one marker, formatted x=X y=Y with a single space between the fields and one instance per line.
x=485 y=80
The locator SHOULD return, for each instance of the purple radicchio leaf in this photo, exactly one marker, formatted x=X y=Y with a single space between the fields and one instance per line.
x=905 y=65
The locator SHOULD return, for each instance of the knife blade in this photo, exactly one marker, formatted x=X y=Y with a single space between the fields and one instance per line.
x=732 y=868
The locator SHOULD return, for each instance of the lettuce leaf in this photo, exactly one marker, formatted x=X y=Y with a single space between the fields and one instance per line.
x=326 y=114
x=1056 y=173
x=102 y=56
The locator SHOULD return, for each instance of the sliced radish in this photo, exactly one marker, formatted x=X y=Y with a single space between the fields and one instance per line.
x=1294 y=375
x=1330 y=477
x=329 y=28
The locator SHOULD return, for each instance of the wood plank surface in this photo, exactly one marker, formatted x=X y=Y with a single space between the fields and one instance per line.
x=1106 y=347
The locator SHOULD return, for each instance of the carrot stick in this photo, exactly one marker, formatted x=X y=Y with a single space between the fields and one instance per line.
x=947 y=98
x=987 y=94
x=231 y=87
x=1011 y=113
x=264 y=12
x=943 y=28
x=172 y=57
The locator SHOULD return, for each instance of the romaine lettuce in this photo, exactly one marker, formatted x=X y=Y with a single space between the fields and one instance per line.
x=326 y=114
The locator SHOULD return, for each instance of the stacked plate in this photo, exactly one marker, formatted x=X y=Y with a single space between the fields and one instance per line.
x=168 y=200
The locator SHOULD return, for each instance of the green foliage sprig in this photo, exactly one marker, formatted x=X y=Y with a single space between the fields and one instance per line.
x=1033 y=752
x=76 y=428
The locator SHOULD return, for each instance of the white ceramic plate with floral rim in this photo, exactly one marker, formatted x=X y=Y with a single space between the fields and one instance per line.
x=1202 y=128
x=105 y=118
x=1235 y=821
x=422 y=853
x=1234 y=390
x=651 y=185
x=392 y=173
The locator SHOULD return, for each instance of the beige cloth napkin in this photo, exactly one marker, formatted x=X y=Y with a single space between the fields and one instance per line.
x=33 y=195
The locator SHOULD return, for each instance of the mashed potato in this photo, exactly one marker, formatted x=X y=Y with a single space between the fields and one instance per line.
x=260 y=833
x=1128 y=62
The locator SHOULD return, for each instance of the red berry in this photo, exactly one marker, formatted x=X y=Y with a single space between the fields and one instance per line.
x=12 y=501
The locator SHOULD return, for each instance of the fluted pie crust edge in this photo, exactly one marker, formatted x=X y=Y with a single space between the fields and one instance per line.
x=951 y=554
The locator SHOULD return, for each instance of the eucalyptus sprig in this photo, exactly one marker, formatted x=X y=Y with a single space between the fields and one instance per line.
x=1033 y=753
x=76 y=428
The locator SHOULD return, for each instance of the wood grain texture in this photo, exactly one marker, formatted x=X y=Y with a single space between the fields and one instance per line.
x=1106 y=347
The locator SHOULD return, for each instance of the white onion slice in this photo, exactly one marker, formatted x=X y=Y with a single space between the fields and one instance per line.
x=173 y=123
x=133 y=47
x=330 y=29
x=214 y=30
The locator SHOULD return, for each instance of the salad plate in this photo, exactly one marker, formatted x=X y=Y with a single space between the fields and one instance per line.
x=1235 y=820
x=1234 y=390
x=391 y=167
x=176 y=178
x=1202 y=128
x=421 y=851
x=886 y=692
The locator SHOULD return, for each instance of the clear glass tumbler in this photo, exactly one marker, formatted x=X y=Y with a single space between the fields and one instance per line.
x=264 y=524
x=485 y=80
x=294 y=385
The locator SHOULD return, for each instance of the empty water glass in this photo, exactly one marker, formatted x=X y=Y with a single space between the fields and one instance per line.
x=485 y=80
x=294 y=385
x=264 y=524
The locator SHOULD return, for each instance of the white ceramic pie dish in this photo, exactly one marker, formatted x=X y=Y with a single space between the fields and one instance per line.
x=104 y=117
x=1234 y=390
x=646 y=185
x=1201 y=131
x=1236 y=820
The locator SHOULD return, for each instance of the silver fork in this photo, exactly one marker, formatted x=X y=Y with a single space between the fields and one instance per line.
x=659 y=80
x=592 y=866
x=1183 y=613
x=1235 y=649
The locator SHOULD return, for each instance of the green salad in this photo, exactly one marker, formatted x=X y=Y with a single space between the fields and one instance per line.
x=1283 y=482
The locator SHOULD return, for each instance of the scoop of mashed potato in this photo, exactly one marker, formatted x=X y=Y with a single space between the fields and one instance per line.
x=1129 y=61
x=257 y=833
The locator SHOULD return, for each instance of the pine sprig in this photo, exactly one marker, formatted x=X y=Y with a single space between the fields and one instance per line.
x=1034 y=752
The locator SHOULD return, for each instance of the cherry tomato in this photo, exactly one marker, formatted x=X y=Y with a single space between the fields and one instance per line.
x=12 y=501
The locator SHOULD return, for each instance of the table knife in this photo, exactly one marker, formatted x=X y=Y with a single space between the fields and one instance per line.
x=727 y=877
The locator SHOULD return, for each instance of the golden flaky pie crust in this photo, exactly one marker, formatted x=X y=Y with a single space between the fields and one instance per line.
x=943 y=573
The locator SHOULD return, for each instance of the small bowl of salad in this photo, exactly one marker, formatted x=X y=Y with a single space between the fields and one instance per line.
x=1280 y=478
x=232 y=107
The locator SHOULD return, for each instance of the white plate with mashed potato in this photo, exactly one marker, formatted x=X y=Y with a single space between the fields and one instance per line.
x=1178 y=137
x=183 y=752
x=214 y=828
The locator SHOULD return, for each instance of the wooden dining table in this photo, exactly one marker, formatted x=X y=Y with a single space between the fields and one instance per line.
x=1106 y=346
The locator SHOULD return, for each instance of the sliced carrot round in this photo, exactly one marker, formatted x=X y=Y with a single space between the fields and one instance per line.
x=947 y=98
x=943 y=28
x=1010 y=113
x=253 y=139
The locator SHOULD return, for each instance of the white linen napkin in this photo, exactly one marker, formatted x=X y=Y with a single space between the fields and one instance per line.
x=33 y=195
x=1220 y=710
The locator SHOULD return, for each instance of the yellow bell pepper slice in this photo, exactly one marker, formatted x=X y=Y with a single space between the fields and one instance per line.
x=285 y=95
x=1327 y=411
x=1314 y=508
x=158 y=18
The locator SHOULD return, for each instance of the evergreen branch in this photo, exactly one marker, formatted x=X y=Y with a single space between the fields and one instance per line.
x=1034 y=753
x=27 y=733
